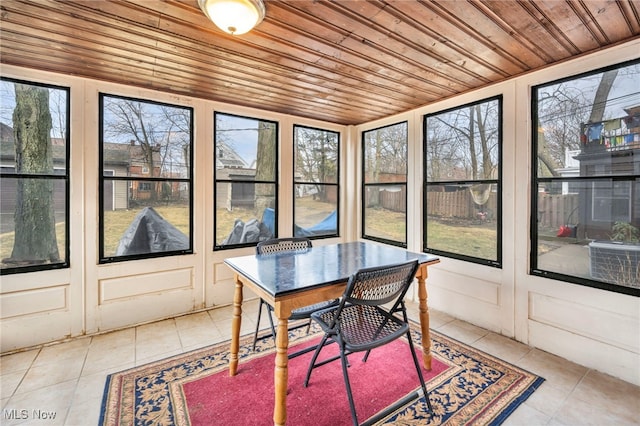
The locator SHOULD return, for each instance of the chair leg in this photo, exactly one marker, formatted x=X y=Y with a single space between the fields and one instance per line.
x=347 y=383
x=419 y=370
x=255 y=336
x=273 y=328
x=312 y=364
x=345 y=366
x=270 y=313
x=366 y=356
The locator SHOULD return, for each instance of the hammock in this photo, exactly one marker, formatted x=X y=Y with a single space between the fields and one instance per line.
x=480 y=193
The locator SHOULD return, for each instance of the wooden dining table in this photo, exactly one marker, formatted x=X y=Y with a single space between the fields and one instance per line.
x=288 y=281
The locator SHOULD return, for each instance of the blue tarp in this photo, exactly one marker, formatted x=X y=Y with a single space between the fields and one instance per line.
x=256 y=231
x=269 y=219
x=328 y=225
x=253 y=231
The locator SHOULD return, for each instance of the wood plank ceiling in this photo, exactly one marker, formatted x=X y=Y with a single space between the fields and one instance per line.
x=346 y=62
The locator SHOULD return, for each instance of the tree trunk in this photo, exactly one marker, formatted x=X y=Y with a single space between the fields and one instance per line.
x=545 y=158
x=373 y=196
x=35 y=232
x=487 y=163
x=265 y=167
x=472 y=145
x=602 y=94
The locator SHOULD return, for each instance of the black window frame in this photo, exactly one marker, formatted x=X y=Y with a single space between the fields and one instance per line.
x=336 y=184
x=498 y=182
x=384 y=184
x=66 y=263
x=536 y=181
x=275 y=182
x=102 y=259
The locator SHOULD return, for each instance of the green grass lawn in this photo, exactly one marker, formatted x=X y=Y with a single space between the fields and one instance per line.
x=476 y=240
x=7 y=239
x=387 y=224
x=116 y=223
x=472 y=240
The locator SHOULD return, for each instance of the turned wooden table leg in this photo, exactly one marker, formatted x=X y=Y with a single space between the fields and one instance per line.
x=281 y=373
x=235 y=327
x=424 y=316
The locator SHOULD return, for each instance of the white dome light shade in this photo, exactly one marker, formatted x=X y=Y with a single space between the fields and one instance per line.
x=234 y=16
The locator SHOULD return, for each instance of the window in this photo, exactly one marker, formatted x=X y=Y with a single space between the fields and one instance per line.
x=462 y=197
x=245 y=180
x=611 y=202
x=591 y=234
x=384 y=187
x=315 y=183
x=34 y=177
x=146 y=188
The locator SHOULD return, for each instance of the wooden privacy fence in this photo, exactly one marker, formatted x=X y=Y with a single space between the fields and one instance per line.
x=557 y=210
x=460 y=204
x=390 y=198
x=553 y=210
x=443 y=204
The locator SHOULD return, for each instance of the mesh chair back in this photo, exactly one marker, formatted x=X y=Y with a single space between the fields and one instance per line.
x=290 y=245
x=377 y=286
x=276 y=245
x=360 y=323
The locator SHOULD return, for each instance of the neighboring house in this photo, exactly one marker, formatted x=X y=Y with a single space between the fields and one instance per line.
x=119 y=160
x=571 y=169
x=230 y=166
x=8 y=166
x=610 y=147
x=310 y=190
x=129 y=160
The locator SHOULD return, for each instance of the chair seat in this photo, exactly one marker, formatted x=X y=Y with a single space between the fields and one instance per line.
x=306 y=311
x=361 y=322
x=363 y=327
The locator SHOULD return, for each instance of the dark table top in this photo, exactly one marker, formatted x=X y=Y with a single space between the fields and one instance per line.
x=282 y=273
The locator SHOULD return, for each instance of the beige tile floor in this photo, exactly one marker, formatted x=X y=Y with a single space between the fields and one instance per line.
x=64 y=382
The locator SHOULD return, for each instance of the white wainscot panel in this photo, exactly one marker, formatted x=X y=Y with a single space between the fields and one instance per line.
x=611 y=328
x=475 y=288
x=117 y=289
x=34 y=316
x=34 y=301
x=470 y=299
x=31 y=330
x=590 y=353
x=125 y=301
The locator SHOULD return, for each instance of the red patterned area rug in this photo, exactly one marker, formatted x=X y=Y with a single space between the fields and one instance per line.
x=466 y=387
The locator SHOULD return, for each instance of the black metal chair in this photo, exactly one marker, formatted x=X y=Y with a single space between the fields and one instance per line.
x=361 y=322
x=293 y=244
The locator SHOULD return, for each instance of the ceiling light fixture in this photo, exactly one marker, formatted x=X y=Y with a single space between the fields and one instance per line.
x=234 y=16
